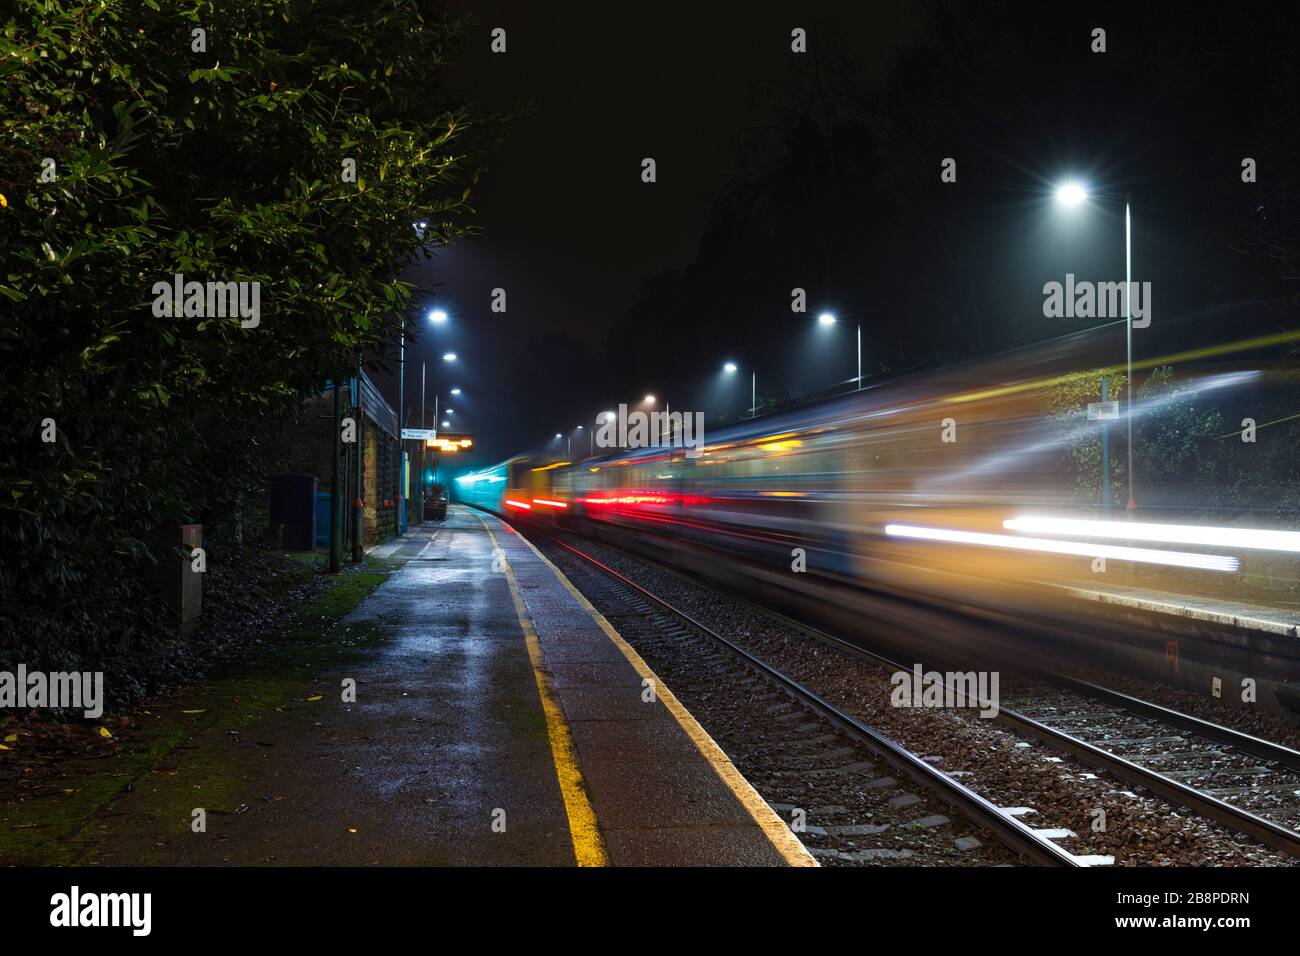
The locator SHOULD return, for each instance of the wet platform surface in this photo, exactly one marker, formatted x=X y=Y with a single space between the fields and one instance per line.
x=660 y=789
x=498 y=720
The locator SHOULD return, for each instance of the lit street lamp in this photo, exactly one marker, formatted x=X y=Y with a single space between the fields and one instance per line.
x=828 y=319
x=732 y=367
x=1073 y=194
x=436 y=317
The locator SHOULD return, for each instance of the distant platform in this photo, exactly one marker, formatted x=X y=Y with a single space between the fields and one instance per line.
x=1211 y=610
x=1211 y=645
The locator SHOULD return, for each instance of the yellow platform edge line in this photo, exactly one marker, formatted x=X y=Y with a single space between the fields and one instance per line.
x=773 y=827
x=584 y=831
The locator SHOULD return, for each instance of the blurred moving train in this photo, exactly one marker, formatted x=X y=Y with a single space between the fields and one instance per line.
x=950 y=489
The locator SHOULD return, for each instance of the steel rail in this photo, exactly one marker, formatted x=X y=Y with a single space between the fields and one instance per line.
x=976 y=808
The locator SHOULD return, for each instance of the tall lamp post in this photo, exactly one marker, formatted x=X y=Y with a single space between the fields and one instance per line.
x=1072 y=194
x=731 y=368
x=828 y=319
x=435 y=317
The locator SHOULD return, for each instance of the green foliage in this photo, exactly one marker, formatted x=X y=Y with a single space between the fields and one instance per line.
x=1188 y=455
x=1176 y=443
x=222 y=165
x=1067 y=406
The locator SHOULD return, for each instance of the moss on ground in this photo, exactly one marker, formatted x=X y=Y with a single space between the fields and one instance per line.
x=57 y=824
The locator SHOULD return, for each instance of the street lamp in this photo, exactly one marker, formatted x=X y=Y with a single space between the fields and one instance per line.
x=649 y=399
x=827 y=319
x=449 y=357
x=1073 y=194
x=731 y=367
x=455 y=391
x=436 y=317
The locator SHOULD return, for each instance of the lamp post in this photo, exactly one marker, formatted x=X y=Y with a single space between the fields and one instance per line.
x=731 y=368
x=828 y=319
x=1072 y=194
x=424 y=444
x=401 y=405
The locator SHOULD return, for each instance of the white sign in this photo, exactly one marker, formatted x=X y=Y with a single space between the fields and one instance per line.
x=424 y=433
x=1099 y=411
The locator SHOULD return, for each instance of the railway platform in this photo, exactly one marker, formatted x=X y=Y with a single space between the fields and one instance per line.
x=557 y=744
x=1206 y=643
x=471 y=709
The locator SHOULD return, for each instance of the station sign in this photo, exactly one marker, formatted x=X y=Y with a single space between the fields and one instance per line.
x=1102 y=411
x=447 y=441
x=419 y=433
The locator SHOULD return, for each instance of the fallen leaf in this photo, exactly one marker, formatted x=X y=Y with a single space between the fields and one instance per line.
x=317 y=697
x=3 y=747
x=191 y=711
x=105 y=733
x=11 y=738
x=352 y=829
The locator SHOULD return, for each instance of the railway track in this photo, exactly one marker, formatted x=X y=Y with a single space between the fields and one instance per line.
x=1239 y=782
x=616 y=589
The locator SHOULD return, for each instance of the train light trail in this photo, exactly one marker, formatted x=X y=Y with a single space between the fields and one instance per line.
x=511 y=503
x=1178 y=559
x=549 y=503
x=1257 y=539
x=629 y=500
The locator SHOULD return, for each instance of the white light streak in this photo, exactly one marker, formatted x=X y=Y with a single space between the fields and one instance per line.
x=1258 y=539
x=1179 y=559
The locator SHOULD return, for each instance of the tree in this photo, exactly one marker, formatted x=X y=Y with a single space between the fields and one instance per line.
x=214 y=140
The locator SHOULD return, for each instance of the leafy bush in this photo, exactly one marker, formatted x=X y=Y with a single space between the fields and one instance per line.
x=223 y=164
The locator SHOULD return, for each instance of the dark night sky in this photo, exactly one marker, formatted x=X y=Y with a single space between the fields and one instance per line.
x=570 y=231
